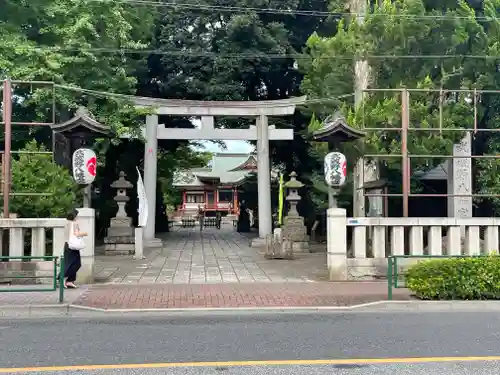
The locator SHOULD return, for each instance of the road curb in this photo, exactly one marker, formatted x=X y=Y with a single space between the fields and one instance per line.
x=371 y=307
x=11 y=311
x=197 y=310
x=377 y=306
x=429 y=306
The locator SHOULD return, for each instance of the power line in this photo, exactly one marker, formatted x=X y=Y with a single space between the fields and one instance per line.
x=291 y=12
x=107 y=94
x=296 y=56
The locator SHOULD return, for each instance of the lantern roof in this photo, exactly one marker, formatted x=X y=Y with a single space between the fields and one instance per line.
x=293 y=183
x=336 y=130
x=83 y=123
x=121 y=183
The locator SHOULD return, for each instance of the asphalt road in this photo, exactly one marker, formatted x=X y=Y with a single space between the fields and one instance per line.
x=354 y=337
x=455 y=369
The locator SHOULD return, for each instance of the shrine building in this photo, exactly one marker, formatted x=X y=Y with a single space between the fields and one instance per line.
x=215 y=188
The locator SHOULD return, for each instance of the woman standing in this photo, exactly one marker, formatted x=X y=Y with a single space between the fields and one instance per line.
x=72 y=259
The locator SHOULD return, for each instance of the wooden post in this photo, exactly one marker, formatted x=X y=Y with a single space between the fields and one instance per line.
x=405 y=120
x=7 y=119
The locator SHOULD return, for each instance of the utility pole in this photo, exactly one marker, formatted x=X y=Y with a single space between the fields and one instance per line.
x=7 y=121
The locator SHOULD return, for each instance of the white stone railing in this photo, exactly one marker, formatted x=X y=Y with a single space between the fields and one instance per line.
x=18 y=228
x=37 y=229
x=374 y=239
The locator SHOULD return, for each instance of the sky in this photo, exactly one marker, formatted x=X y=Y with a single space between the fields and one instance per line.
x=240 y=147
x=232 y=147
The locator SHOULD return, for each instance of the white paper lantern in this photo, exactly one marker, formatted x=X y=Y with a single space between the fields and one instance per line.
x=335 y=169
x=84 y=166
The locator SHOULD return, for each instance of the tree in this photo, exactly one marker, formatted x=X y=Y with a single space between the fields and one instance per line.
x=412 y=29
x=35 y=173
x=75 y=43
x=237 y=50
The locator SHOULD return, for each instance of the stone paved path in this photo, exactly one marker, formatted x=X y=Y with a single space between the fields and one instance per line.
x=235 y=295
x=212 y=256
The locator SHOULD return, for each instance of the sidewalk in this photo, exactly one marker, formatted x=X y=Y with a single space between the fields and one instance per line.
x=237 y=295
x=28 y=304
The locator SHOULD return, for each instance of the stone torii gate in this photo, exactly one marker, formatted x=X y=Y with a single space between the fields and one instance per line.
x=261 y=132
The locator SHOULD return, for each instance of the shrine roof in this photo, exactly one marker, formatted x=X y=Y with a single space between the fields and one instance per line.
x=335 y=129
x=82 y=121
x=224 y=162
x=224 y=168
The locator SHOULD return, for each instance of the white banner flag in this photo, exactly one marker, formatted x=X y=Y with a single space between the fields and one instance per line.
x=143 y=202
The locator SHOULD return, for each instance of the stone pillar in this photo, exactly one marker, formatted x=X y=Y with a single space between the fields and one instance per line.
x=150 y=167
x=139 y=243
x=460 y=181
x=86 y=222
x=264 y=178
x=336 y=244
x=462 y=178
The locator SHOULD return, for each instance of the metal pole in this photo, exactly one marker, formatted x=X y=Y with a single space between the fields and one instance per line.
x=7 y=119
x=405 y=120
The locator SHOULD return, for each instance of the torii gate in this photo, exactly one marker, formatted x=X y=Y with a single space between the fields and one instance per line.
x=261 y=132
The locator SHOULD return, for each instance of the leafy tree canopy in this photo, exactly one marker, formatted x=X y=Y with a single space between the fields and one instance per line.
x=74 y=43
x=35 y=172
x=395 y=38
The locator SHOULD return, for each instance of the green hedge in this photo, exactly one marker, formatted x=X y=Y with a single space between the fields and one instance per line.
x=456 y=278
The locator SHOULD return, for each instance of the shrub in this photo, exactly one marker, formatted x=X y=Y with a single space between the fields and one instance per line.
x=37 y=173
x=456 y=278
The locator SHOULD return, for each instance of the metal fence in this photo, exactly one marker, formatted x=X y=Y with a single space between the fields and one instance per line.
x=56 y=261
x=404 y=134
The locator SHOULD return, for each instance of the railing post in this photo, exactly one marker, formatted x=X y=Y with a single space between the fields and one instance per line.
x=55 y=273
x=394 y=272
x=61 y=280
x=337 y=244
x=389 y=278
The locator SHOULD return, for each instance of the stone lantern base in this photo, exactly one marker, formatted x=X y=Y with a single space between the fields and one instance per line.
x=294 y=230
x=120 y=239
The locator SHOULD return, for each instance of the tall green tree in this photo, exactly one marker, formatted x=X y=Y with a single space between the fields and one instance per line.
x=55 y=191
x=213 y=52
x=74 y=43
x=401 y=34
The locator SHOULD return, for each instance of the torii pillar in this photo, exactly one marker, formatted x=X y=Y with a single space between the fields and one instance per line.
x=261 y=132
x=150 y=178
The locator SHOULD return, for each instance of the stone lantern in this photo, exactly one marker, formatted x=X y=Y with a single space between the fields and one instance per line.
x=293 y=196
x=120 y=239
x=293 y=228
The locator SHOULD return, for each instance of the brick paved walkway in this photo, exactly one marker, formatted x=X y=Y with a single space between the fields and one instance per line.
x=212 y=256
x=235 y=295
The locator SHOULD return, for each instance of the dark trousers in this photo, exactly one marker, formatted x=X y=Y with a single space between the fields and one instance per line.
x=72 y=263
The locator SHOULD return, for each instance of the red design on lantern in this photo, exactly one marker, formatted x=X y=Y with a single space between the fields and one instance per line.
x=91 y=166
x=344 y=169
